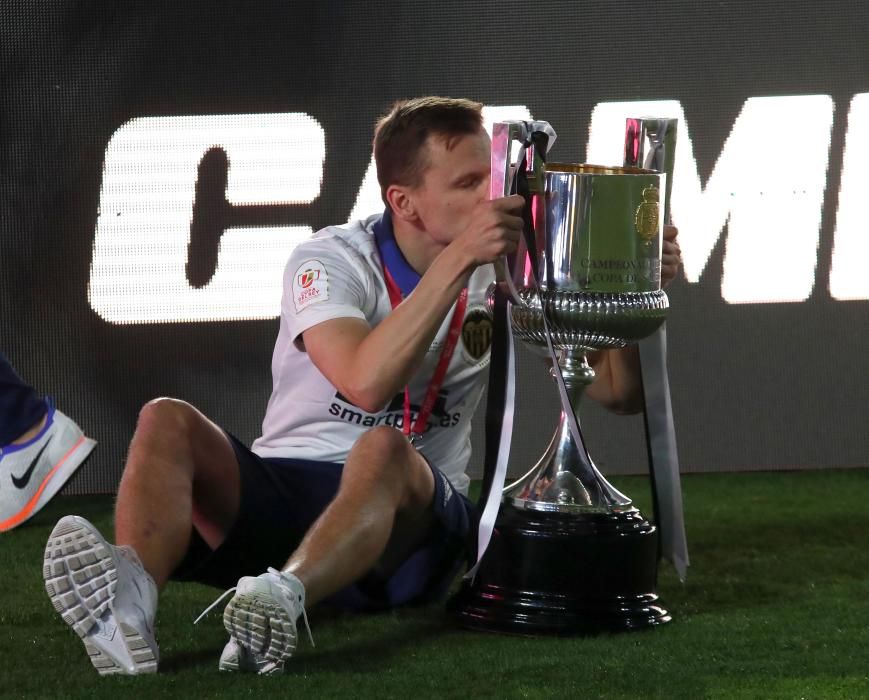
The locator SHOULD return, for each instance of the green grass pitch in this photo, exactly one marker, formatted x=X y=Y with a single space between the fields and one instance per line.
x=776 y=605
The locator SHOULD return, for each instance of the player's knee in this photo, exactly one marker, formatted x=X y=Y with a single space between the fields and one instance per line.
x=388 y=444
x=166 y=417
x=388 y=459
x=386 y=451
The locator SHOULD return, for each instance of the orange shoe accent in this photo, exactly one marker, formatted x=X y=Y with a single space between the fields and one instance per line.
x=24 y=513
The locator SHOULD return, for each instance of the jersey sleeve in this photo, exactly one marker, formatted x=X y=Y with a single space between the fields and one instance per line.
x=321 y=283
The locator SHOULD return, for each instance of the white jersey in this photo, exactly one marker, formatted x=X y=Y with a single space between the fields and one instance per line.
x=338 y=273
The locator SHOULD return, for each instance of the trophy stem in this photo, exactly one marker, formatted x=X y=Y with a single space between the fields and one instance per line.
x=565 y=479
x=570 y=554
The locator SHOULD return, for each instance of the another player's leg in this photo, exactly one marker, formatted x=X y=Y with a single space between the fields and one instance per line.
x=181 y=473
x=40 y=449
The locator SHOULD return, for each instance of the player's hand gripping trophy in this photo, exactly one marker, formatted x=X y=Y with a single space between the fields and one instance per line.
x=569 y=552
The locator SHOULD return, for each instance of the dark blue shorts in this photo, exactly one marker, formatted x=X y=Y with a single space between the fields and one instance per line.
x=280 y=500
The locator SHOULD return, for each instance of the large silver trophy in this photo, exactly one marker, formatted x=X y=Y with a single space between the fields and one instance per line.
x=569 y=552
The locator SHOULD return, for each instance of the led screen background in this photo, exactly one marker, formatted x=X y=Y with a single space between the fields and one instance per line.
x=755 y=385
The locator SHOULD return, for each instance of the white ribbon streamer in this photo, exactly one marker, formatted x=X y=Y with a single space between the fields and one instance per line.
x=493 y=500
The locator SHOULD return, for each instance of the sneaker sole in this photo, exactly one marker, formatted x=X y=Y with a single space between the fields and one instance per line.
x=234 y=665
x=260 y=624
x=227 y=665
x=80 y=579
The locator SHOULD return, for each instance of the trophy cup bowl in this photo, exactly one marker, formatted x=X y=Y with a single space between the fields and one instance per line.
x=570 y=553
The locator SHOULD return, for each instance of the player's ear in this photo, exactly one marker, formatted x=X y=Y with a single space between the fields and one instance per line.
x=401 y=202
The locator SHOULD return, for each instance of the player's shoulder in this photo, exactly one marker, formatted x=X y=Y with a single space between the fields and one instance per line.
x=355 y=235
x=353 y=241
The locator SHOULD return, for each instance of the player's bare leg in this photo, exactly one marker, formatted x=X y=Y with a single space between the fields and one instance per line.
x=380 y=514
x=382 y=511
x=181 y=473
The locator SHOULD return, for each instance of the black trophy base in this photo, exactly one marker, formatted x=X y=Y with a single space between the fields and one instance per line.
x=564 y=574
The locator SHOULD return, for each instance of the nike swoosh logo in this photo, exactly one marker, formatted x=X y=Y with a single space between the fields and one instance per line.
x=144 y=618
x=22 y=481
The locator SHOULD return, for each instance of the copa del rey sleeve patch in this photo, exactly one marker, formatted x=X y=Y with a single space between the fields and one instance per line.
x=310 y=284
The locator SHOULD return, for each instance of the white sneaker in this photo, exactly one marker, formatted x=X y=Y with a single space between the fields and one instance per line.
x=38 y=469
x=104 y=594
x=262 y=615
x=236 y=658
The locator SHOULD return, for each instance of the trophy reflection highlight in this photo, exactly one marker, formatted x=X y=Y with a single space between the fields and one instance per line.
x=570 y=553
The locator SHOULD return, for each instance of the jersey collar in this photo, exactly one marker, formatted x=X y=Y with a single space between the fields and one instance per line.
x=391 y=256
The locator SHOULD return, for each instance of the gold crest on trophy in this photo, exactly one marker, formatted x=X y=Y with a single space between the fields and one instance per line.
x=646 y=218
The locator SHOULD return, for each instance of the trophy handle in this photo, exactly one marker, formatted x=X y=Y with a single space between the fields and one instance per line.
x=510 y=271
x=650 y=143
x=659 y=137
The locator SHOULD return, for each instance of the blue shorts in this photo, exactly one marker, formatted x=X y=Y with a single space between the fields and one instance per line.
x=280 y=500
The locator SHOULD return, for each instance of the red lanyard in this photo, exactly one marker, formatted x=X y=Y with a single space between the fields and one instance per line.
x=440 y=372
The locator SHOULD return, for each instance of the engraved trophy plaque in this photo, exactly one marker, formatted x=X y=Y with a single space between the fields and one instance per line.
x=569 y=552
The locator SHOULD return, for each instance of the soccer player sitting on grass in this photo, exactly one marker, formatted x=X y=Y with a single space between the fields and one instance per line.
x=333 y=503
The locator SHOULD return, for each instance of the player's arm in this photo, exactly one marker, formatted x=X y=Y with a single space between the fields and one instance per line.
x=618 y=381
x=369 y=366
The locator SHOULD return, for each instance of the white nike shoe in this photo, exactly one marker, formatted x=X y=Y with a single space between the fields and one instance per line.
x=262 y=616
x=236 y=658
x=105 y=595
x=38 y=469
